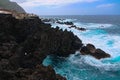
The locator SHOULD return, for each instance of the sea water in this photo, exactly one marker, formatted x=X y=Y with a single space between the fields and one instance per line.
x=104 y=33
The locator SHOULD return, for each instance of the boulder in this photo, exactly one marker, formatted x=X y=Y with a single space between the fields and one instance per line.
x=90 y=49
x=100 y=54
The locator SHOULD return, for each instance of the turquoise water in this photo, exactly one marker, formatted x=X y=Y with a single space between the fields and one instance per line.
x=78 y=67
x=82 y=68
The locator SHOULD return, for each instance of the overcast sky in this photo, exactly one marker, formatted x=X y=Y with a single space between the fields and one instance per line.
x=71 y=7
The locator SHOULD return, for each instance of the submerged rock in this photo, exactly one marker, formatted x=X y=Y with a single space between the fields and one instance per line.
x=90 y=49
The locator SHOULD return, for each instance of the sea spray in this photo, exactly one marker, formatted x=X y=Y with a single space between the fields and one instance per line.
x=79 y=67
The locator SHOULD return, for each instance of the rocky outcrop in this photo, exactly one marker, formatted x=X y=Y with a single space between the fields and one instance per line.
x=66 y=23
x=78 y=28
x=90 y=49
x=25 y=43
x=61 y=21
x=6 y=4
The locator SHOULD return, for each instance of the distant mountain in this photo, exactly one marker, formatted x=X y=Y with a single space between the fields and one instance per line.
x=6 y=4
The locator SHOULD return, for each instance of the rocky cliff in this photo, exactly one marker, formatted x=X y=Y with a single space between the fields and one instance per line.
x=6 y=4
x=25 y=43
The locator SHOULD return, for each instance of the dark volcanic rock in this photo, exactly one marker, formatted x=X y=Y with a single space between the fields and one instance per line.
x=45 y=73
x=90 y=49
x=58 y=77
x=39 y=73
x=100 y=54
x=66 y=23
x=25 y=43
x=81 y=29
x=84 y=50
x=78 y=28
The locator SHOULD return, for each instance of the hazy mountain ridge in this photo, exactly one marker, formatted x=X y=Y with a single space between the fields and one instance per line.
x=6 y=4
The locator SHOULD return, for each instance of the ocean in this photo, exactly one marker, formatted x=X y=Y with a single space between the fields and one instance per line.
x=107 y=37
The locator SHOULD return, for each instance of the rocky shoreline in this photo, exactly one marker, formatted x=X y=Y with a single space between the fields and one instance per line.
x=25 y=43
x=62 y=22
x=88 y=49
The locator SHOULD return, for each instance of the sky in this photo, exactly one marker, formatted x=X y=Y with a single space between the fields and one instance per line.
x=71 y=7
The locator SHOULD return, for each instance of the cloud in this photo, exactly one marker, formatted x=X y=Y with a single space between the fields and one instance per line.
x=106 y=5
x=35 y=3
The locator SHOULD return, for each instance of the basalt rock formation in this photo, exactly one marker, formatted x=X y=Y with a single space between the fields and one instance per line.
x=25 y=43
x=90 y=49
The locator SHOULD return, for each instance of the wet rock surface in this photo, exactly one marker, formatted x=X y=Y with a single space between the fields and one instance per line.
x=78 y=28
x=90 y=49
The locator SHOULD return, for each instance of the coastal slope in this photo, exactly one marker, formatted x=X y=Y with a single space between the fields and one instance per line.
x=6 y=4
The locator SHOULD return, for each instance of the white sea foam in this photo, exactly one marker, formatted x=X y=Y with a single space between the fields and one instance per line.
x=69 y=20
x=100 y=38
x=93 y=25
x=80 y=67
x=102 y=65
